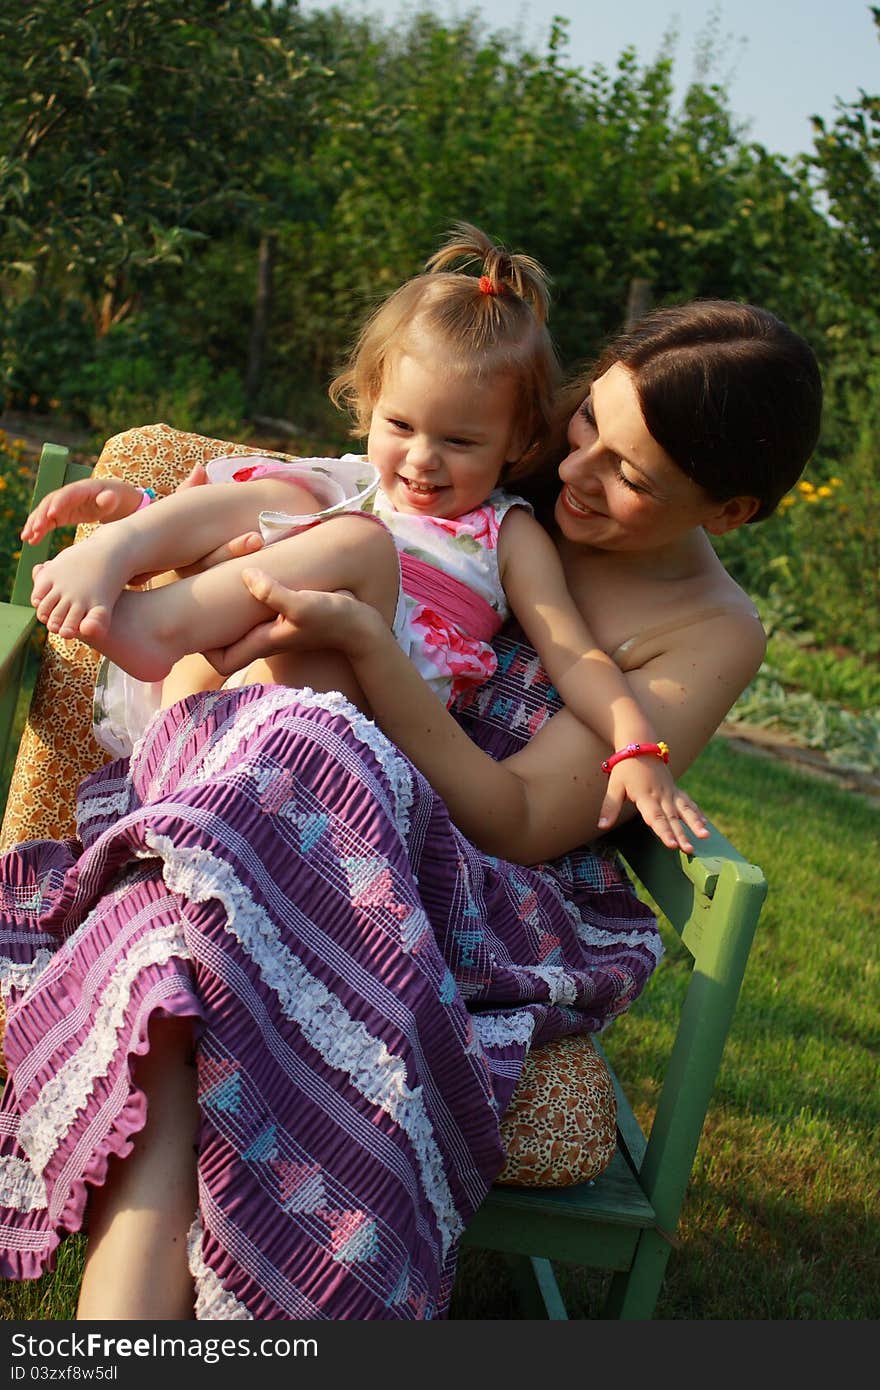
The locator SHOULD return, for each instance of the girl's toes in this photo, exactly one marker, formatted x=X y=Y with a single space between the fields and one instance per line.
x=95 y=624
x=71 y=623
x=42 y=584
x=46 y=608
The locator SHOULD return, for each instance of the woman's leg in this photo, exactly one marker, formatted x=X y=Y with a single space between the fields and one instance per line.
x=187 y=676
x=136 y=1265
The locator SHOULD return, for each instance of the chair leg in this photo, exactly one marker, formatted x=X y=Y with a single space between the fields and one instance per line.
x=536 y=1288
x=633 y=1294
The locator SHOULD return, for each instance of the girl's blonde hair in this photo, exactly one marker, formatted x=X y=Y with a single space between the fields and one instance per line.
x=494 y=323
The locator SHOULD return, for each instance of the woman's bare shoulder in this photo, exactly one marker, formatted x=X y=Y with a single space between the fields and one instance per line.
x=711 y=608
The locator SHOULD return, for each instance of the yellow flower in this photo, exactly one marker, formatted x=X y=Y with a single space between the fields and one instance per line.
x=787 y=501
x=805 y=488
x=3 y=485
x=824 y=492
x=812 y=497
x=835 y=482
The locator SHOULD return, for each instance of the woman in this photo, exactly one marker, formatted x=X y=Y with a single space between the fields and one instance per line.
x=364 y=980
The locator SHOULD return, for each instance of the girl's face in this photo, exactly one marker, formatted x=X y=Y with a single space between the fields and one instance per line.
x=440 y=439
x=621 y=490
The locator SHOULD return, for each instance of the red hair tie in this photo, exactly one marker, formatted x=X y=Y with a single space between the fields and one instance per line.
x=488 y=288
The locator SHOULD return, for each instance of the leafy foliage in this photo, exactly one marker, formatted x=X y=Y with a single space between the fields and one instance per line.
x=150 y=154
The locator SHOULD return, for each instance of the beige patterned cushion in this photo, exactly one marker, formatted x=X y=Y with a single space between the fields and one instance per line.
x=56 y=749
x=560 y=1126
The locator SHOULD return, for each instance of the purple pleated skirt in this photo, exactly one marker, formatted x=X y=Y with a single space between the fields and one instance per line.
x=363 y=985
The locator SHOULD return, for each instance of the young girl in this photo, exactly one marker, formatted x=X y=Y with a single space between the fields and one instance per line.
x=453 y=380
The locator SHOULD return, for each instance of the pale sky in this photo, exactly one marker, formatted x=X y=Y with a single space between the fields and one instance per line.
x=785 y=59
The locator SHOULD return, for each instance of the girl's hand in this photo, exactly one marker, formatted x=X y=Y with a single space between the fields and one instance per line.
x=89 y=500
x=308 y=620
x=663 y=806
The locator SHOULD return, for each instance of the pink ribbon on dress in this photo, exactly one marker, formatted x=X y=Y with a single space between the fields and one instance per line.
x=455 y=600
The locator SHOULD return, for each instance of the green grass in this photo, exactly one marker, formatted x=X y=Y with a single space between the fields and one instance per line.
x=782 y=1220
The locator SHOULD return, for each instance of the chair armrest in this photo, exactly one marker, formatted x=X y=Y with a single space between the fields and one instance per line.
x=16 y=625
x=680 y=883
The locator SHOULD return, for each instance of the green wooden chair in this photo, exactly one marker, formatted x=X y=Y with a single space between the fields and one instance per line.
x=17 y=619
x=625 y=1220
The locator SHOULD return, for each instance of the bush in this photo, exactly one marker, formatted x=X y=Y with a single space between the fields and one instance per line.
x=16 y=486
x=134 y=377
x=819 y=556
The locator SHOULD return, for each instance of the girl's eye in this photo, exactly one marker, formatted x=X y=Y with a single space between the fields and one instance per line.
x=460 y=443
x=399 y=424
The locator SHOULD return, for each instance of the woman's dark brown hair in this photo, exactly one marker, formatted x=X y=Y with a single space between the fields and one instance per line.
x=730 y=392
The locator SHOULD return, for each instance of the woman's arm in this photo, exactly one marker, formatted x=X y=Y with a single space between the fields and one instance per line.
x=546 y=798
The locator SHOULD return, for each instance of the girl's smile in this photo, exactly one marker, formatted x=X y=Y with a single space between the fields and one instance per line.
x=439 y=438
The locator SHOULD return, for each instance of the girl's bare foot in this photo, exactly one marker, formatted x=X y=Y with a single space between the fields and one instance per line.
x=74 y=593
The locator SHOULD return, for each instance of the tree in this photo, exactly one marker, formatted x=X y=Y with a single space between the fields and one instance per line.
x=133 y=128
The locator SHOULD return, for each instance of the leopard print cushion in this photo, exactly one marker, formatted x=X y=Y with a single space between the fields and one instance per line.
x=57 y=749
x=560 y=1127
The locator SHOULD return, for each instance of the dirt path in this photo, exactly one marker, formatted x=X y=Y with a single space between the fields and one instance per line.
x=770 y=743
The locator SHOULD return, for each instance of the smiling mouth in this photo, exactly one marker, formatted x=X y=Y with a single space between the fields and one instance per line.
x=571 y=504
x=420 y=489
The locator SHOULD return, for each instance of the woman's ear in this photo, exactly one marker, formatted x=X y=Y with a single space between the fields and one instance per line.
x=736 y=511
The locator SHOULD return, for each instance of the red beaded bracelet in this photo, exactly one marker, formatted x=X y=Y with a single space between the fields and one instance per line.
x=634 y=750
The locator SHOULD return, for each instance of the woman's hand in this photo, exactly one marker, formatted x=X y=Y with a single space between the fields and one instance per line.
x=663 y=806
x=89 y=500
x=307 y=620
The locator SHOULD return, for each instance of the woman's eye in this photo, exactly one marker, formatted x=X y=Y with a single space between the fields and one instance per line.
x=628 y=482
x=587 y=412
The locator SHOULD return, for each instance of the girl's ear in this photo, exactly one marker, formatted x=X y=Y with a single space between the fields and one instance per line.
x=736 y=511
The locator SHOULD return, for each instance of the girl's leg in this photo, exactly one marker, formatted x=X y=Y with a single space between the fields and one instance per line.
x=136 y=1265
x=75 y=592
x=150 y=631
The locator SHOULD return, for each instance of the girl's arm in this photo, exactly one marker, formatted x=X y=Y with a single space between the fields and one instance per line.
x=106 y=499
x=592 y=687
x=194 y=521
x=546 y=798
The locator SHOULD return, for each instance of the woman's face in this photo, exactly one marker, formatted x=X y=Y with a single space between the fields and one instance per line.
x=621 y=490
